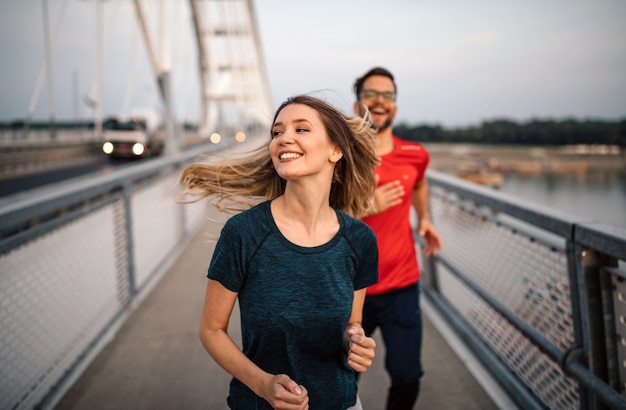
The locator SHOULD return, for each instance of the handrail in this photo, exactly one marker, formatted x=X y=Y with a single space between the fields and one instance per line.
x=571 y=268
x=79 y=254
x=582 y=361
x=45 y=201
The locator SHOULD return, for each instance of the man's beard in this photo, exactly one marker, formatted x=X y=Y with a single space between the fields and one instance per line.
x=383 y=127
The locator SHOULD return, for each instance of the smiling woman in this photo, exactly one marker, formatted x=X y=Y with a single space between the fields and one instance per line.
x=301 y=147
x=296 y=259
x=237 y=184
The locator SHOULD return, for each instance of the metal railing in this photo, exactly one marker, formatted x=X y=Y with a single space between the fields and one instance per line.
x=538 y=296
x=74 y=261
x=37 y=149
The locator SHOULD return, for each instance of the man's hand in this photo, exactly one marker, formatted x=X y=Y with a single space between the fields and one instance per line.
x=427 y=230
x=387 y=195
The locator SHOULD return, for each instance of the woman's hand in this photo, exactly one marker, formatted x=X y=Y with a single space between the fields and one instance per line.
x=361 y=349
x=282 y=393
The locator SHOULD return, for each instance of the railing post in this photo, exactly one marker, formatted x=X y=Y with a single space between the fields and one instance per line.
x=579 y=300
x=592 y=264
x=591 y=317
x=428 y=265
x=128 y=223
x=614 y=308
x=429 y=272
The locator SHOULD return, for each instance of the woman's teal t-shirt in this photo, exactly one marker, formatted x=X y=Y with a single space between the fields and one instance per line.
x=295 y=302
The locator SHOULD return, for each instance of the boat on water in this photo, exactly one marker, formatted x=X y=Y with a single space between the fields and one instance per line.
x=526 y=167
x=490 y=179
x=487 y=173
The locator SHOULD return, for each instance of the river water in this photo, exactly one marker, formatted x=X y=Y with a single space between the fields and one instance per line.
x=598 y=195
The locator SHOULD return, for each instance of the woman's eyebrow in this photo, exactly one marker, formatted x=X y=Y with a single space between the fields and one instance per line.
x=296 y=121
x=301 y=120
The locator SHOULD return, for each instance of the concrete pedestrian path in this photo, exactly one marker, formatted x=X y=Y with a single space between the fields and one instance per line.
x=156 y=361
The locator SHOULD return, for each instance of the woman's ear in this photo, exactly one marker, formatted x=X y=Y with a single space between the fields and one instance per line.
x=335 y=154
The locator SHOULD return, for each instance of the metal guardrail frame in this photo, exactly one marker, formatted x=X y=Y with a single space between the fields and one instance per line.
x=48 y=206
x=591 y=362
x=588 y=363
x=28 y=218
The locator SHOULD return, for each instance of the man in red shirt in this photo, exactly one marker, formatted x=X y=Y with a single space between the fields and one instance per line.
x=393 y=303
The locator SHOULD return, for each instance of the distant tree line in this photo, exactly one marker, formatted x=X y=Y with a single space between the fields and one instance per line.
x=65 y=125
x=42 y=125
x=499 y=131
x=534 y=132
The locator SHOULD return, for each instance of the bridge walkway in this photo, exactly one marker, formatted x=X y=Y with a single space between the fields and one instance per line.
x=155 y=360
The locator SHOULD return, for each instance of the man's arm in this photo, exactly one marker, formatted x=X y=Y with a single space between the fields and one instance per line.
x=426 y=229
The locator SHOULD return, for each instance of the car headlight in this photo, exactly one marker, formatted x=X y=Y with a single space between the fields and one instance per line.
x=107 y=147
x=215 y=138
x=138 y=149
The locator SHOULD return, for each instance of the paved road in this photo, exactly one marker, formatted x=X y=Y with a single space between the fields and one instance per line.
x=156 y=360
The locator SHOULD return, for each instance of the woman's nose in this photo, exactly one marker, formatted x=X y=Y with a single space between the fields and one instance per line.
x=286 y=138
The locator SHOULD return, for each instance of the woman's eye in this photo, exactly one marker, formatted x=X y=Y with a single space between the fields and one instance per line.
x=275 y=133
x=302 y=130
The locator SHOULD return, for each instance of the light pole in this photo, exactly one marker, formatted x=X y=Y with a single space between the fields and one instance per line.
x=48 y=64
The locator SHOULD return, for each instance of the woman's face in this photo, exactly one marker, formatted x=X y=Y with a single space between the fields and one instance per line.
x=300 y=145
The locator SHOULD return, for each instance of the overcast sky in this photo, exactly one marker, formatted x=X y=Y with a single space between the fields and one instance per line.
x=456 y=62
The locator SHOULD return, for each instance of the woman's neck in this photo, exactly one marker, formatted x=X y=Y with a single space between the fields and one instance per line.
x=306 y=220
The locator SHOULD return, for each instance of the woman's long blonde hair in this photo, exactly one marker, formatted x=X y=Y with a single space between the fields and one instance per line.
x=237 y=184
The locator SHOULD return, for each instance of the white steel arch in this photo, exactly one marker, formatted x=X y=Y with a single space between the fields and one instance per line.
x=234 y=87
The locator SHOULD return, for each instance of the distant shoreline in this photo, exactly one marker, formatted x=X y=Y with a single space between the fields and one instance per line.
x=449 y=158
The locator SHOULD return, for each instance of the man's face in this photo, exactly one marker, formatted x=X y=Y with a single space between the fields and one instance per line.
x=379 y=97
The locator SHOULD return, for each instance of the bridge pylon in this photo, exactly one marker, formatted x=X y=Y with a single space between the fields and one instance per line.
x=234 y=88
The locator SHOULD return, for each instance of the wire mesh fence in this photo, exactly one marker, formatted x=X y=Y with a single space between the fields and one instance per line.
x=523 y=288
x=72 y=264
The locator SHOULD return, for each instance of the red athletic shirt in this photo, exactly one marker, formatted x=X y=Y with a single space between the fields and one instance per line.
x=397 y=258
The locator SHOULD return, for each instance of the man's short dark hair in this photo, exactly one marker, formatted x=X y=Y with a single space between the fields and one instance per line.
x=358 y=84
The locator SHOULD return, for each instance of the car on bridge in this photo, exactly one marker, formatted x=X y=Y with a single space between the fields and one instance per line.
x=133 y=136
